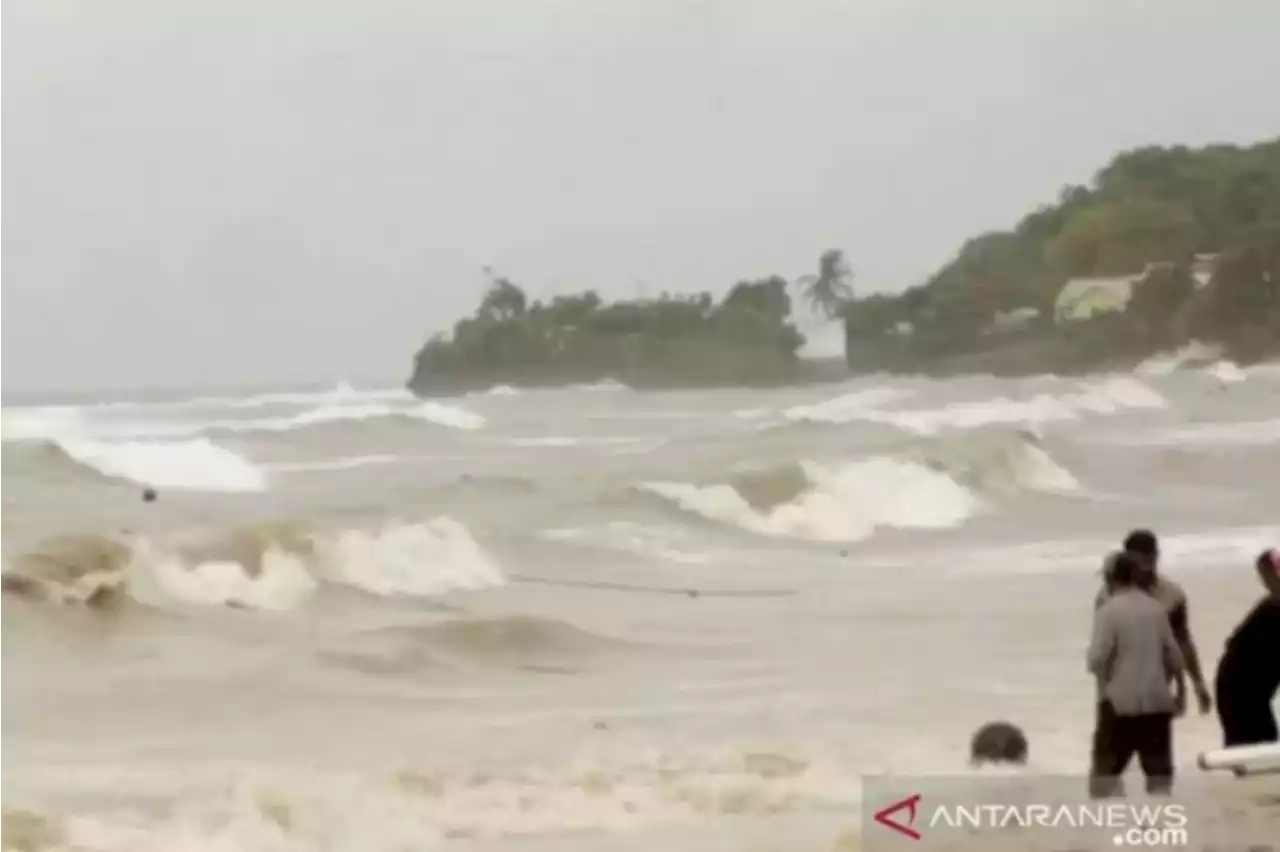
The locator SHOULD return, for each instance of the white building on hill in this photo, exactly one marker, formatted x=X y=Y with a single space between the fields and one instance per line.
x=1082 y=298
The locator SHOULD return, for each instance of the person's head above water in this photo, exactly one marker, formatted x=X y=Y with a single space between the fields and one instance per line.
x=149 y=495
x=998 y=742
x=1143 y=545
x=1268 y=565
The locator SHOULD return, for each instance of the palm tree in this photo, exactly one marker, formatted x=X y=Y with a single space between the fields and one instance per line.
x=832 y=288
x=502 y=299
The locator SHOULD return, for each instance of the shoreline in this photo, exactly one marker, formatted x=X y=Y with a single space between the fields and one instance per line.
x=806 y=372
x=1017 y=361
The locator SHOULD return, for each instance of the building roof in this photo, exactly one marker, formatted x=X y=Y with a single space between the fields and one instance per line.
x=1081 y=298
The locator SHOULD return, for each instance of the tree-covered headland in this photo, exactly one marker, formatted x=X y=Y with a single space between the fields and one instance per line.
x=1192 y=235
x=1164 y=246
x=745 y=337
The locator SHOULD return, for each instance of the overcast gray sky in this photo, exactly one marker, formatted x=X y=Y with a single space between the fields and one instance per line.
x=221 y=192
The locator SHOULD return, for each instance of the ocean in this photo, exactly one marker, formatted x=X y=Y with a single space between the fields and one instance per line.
x=586 y=618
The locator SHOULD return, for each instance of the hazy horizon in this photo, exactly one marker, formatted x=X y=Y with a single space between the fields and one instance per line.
x=208 y=195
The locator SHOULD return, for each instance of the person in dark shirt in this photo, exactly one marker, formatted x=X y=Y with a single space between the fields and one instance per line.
x=1249 y=671
x=1143 y=546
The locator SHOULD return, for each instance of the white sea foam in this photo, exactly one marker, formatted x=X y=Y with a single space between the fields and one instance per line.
x=665 y=544
x=1227 y=372
x=426 y=558
x=1248 y=433
x=193 y=465
x=847 y=407
x=260 y=568
x=561 y=441
x=939 y=484
x=1098 y=397
x=260 y=811
x=843 y=503
x=429 y=557
x=322 y=465
x=62 y=422
x=280 y=581
x=1192 y=354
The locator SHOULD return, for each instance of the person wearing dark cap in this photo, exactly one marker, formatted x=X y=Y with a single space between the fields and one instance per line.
x=1145 y=548
x=1134 y=656
x=1249 y=672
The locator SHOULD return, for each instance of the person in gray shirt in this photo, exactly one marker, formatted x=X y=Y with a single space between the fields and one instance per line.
x=1135 y=658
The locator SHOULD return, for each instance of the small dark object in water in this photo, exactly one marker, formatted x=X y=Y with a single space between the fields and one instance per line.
x=149 y=495
x=844 y=552
x=693 y=593
x=998 y=742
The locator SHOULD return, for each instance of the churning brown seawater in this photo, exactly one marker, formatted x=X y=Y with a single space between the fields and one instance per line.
x=587 y=618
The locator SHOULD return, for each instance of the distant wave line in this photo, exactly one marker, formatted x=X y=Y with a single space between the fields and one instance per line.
x=656 y=590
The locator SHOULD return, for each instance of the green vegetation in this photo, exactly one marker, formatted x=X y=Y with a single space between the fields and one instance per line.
x=1196 y=231
x=1151 y=210
x=746 y=338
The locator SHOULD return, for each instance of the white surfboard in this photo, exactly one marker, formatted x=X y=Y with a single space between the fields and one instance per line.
x=1243 y=760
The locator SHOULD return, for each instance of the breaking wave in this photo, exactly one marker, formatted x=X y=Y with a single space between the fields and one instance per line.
x=938 y=487
x=842 y=504
x=418 y=806
x=1192 y=354
x=439 y=413
x=1204 y=358
x=185 y=465
x=63 y=423
x=194 y=465
x=1227 y=372
x=268 y=567
x=845 y=408
x=1100 y=397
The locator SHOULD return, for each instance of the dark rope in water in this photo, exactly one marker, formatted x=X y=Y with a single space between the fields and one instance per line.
x=654 y=590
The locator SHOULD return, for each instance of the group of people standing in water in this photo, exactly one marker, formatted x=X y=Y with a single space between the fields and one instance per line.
x=1142 y=654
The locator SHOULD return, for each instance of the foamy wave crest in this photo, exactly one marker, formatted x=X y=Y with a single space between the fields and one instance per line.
x=604 y=385
x=1193 y=354
x=1109 y=396
x=85 y=570
x=66 y=423
x=264 y=568
x=595 y=796
x=33 y=424
x=562 y=441
x=326 y=465
x=937 y=485
x=845 y=503
x=339 y=393
x=1227 y=372
x=195 y=465
x=845 y=408
x=1247 y=433
x=1001 y=462
x=416 y=559
x=276 y=580
x=452 y=416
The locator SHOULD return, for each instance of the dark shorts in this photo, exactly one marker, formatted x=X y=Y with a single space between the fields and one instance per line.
x=1116 y=739
x=1244 y=708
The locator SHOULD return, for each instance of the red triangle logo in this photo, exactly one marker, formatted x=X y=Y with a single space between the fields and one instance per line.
x=885 y=817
